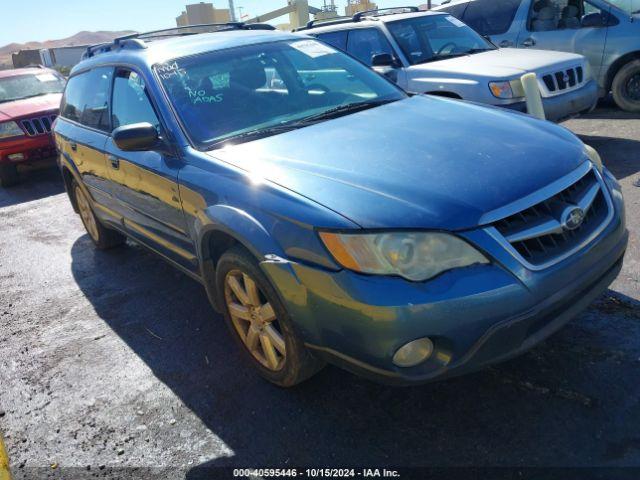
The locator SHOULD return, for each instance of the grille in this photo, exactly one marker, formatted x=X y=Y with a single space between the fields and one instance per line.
x=38 y=125
x=557 y=82
x=547 y=230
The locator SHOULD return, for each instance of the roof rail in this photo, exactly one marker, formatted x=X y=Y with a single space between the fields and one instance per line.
x=137 y=40
x=376 y=13
x=323 y=22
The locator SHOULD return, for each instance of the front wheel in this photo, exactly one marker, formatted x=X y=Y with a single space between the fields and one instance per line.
x=102 y=237
x=626 y=87
x=260 y=323
x=8 y=175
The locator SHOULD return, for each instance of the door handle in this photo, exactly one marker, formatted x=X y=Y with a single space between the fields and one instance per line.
x=115 y=162
x=529 y=42
x=74 y=146
x=505 y=44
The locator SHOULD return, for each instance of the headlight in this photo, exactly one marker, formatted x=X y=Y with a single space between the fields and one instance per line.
x=594 y=156
x=10 y=129
x=501 y=89
x=587 y=71
x=414 y=256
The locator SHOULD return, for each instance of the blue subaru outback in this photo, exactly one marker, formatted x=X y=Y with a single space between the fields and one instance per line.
x=330 y=216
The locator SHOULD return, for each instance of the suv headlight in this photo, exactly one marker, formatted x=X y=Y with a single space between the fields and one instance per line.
x=10 y=129
x=594 y=156
x=416 y=256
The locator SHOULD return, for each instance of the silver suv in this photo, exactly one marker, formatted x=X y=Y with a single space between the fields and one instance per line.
x=607 y=33
x=435 y=53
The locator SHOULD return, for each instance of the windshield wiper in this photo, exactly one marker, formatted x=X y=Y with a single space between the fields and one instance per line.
x=342 y=110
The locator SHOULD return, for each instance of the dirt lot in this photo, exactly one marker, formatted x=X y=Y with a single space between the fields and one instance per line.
x=114 y=360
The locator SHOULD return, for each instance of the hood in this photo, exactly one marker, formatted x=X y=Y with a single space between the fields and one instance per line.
x=30 y=106
x=503 y=63
x=423 y=162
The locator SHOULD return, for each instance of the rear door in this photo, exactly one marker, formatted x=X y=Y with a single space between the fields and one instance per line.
x=146 y=183
x=82 y=132
x=558 y=25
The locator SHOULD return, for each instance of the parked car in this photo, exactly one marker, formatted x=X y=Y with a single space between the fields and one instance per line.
x=607 y=33
x=334 y=223
x=427 y=52
x=29 y=103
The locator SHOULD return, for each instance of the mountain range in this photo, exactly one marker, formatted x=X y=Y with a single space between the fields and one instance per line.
x=80 y=38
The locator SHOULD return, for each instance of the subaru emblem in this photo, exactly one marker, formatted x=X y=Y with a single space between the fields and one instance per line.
x=572 y=218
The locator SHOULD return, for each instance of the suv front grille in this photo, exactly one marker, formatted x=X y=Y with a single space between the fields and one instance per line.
x=558 y=82
x=38 y=125
x=547 y=231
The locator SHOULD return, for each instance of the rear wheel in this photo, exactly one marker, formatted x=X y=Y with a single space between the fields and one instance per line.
x=8 y=174
x=626 y=87
x=102 y=237
x=260 y=323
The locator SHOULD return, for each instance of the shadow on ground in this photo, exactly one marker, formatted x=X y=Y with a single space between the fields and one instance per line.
x=543 y=408
x=33 y=185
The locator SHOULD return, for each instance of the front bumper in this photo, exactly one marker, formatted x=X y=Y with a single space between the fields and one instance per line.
x=475 y=316
x=33 y=149
x=566 y=105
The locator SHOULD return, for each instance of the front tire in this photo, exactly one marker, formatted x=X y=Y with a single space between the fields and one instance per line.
x=103 y=238
x=259 y=321
x=626 y=87
x=8 y=175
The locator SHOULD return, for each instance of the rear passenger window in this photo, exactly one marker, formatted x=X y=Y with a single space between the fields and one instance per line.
x=337 y=39
x=86 y=98
x=456 y=10
x=130 y=101
x=488 y=17
x=366 y=42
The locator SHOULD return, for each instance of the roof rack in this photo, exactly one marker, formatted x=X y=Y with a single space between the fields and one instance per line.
x=137 y=40
x=377 y=12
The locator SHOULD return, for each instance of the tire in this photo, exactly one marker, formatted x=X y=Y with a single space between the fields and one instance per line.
x=102 y=237
x=291 y=362
x=8 y=175
x=626 y=87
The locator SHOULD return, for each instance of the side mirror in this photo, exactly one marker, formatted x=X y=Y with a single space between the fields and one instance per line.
x=135 y=137
x=593 y=20
x=384 y=60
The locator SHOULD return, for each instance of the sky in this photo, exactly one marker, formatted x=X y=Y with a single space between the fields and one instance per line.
x=39 y=20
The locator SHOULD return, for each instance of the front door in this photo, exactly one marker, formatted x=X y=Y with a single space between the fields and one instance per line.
x=146 y=183
x=567 y=26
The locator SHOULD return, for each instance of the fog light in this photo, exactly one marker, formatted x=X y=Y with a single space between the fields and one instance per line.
x=16 y=157
x=413 y=353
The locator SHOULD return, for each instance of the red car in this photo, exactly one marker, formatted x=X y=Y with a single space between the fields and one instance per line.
x=29 y=103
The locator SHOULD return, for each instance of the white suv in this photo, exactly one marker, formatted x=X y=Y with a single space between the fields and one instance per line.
x=435 y=53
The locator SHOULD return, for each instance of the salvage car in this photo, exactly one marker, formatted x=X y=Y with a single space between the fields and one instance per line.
x=334 y=224
x=606 y=32
x=435 y=53
x=29 y=103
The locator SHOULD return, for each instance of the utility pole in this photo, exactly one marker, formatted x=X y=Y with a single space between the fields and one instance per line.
x=232 y=11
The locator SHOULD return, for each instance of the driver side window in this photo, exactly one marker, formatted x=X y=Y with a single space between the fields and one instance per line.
x=130 y=101
x=366 y=42
x=549 y=15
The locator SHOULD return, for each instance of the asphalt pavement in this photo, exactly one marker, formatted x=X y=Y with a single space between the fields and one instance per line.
x=114 y=362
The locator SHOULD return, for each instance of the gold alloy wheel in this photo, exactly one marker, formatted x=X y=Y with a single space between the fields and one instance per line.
x=87 y=214
x=254 y=320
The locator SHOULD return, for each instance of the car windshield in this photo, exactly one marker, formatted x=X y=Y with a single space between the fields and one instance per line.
x=428 y=38
x=30 y=85
x=629 y=6
x=243 y=93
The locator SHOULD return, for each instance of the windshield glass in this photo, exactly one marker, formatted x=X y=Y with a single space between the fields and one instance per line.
x=630 y=6
x=428 y=38
x=31 y=85
x=267 y=88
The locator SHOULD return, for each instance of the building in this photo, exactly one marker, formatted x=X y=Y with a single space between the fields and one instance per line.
x=355 y=6
x=327 y=11
x=202 y=13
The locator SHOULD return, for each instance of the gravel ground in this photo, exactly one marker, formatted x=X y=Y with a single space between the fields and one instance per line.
x=114 y=360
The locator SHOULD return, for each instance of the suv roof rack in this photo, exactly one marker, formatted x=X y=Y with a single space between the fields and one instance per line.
x=379 y=12
x=137 y=40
